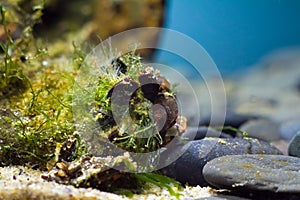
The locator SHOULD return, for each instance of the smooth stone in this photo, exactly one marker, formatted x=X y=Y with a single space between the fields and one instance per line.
x=254 y=173
x=197 y=133
x=264 y=129
x=289 y=129
x=231 y=119
x=294 y=146
x=188 y=167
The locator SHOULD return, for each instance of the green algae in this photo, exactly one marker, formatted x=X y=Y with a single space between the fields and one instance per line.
x=35 y=109
x=36 y=91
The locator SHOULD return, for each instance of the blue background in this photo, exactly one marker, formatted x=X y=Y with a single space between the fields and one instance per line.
x=235 y=33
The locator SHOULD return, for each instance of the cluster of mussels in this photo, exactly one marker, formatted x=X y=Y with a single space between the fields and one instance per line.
x=148 y=99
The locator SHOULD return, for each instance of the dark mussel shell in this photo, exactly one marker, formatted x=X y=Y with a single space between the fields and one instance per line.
x=150 y=85
x=169 y=104
x=123 y=90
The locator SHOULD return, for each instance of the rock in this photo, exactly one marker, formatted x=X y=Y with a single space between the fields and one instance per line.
x=289 y=129
x=231 y=119
x=294 y=146
x=254 y=173
x=255 y=94
x=188 y=168
x=197 y=133
x=264 y=129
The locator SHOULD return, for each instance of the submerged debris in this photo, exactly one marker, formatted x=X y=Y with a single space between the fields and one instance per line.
x=95 y=172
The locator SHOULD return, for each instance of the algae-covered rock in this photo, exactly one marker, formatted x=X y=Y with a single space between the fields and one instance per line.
x=255 y=173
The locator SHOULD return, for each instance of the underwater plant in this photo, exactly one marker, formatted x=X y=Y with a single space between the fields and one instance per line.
x=144 y=89
x=123 y=105
x=35 y=113
x=37 y=128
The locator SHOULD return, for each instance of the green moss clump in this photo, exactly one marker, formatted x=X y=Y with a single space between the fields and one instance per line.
x=35 y=109
x=132 y=126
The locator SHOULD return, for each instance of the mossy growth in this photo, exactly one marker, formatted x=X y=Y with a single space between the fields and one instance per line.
x=133 y=104
x=136 y=117
x=36 y=84
x=35 y=108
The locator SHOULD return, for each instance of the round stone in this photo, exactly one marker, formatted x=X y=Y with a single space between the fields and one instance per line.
x=254 y=173
x=289 y=129
x=231 y=119
x=198 y=133
x=188 y=168
x=264 y=129
x=294 y=146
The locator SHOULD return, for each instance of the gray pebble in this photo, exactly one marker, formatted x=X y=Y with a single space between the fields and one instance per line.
x=197 y=133
x=231 y=119
x=294 y=146
x=264 y=129
x=188 y=167
x=254 y=173
x=289 y=129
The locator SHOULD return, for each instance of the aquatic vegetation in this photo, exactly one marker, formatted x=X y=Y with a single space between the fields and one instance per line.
x=125 y=105
x=35 y=110
x=37 y=128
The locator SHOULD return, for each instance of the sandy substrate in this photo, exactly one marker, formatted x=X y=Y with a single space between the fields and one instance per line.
x=23 y=183
x=18 y=183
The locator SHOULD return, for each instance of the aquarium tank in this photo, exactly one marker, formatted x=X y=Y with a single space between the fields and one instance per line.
x=149 y=99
